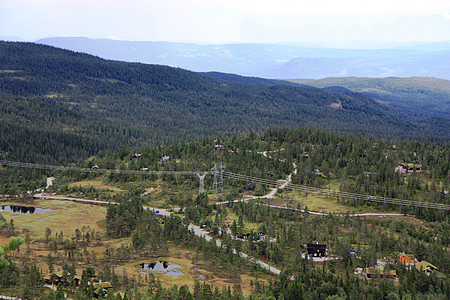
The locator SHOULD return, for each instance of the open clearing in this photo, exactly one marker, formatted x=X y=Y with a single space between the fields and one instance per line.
x=98 y=184
x=66 y=216
x=316 y=202
x=193 y=269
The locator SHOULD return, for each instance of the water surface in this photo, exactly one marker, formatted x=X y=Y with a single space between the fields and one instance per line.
x=162 y=267
x=19 y=209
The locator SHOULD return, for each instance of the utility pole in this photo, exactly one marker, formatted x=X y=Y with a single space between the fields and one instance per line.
x=201 y=187
x=221 y=169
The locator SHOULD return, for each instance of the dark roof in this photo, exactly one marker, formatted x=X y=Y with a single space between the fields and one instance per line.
x=317 y=246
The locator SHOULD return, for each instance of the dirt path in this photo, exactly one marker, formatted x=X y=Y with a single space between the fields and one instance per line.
x=288 y=180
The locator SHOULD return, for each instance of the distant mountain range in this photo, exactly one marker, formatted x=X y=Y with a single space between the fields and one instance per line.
x=273 y=60
x=59 y=105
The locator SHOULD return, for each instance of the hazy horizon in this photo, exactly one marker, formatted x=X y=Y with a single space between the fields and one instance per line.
x=325 y=22
x=352 y=44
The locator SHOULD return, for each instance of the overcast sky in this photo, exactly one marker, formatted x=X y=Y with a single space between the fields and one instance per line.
x=229 y=21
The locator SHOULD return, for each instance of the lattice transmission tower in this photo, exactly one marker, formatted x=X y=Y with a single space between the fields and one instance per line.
x=218 y=177
x=201 y=187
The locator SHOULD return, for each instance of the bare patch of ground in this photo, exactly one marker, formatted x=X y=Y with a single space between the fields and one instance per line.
x=336 y=105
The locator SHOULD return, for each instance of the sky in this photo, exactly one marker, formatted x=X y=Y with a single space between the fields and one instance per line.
x=229 y=21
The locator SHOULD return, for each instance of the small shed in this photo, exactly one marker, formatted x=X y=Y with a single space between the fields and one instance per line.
x=260 y=236
x=164 y=158
x=250 y=187
x=50 y=181
x=317 y=250
x=373 y=273
x=55 y=278
x=76 y=280
x=101 y=288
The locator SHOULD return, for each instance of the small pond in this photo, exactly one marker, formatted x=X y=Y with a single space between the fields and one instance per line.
x=162 y=267
x=19 y=209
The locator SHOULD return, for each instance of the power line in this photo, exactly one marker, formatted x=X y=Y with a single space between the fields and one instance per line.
x=93 y=170
x=251 y=179
x=218 y=183
x=339 y=194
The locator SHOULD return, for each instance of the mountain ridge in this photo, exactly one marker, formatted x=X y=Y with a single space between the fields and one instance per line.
x=132 y=104
x=270 y=60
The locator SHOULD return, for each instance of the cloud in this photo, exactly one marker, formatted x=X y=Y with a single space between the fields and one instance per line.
x=286 y=7
x=218 y=21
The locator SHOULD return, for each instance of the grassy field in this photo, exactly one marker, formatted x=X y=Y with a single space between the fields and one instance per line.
x=248 y=226
x=315 y=202
x=157 y=193
x=67 y=216
x=98 y=184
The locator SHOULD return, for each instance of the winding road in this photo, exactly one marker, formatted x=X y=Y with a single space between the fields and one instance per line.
x=164 y=212
x=198 y=231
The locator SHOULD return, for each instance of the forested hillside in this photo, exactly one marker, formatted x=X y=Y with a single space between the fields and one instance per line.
x=59 y=105
x=422 y=97
x=323 y=159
